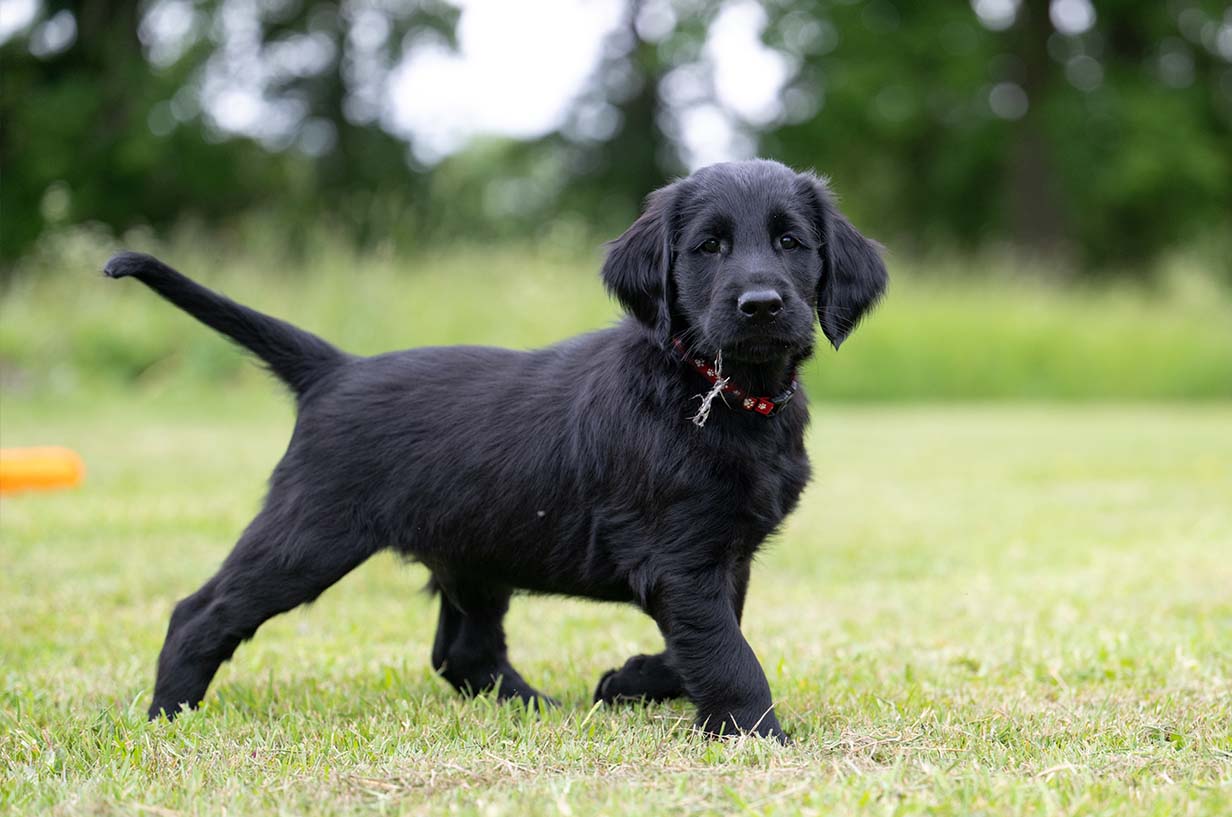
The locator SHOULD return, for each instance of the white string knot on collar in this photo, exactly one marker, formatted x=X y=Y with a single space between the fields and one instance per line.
x=703 y=412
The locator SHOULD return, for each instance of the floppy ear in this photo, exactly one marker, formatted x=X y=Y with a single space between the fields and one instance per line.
x=853 y=276
x=637 y=265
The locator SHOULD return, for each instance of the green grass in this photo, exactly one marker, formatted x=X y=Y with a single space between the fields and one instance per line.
x=976 y=330
x=992 y=609
x=1012 y=606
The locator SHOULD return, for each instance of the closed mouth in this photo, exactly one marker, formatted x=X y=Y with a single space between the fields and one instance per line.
x=759 y=350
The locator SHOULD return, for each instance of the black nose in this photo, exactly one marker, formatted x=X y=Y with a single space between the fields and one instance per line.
x=760 y=304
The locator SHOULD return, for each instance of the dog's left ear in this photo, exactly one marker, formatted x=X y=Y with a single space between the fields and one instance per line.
x=639 y=262
x=853 y=276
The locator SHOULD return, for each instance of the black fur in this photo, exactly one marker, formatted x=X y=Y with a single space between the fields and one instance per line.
x=571 y=469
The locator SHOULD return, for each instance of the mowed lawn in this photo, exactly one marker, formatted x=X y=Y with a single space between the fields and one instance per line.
x=979 y=609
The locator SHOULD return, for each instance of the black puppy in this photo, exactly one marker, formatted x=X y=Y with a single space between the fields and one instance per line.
x=573 y=469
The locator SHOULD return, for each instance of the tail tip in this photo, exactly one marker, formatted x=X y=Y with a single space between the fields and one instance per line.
x=124 y=264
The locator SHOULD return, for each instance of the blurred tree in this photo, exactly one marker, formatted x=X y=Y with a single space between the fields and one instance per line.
x=907 y=137
x=1099 y=134
x=618 y=172
x=1140 y=124
x=105 y=117
x=1104 y=135
x=362 y=177
x=612 y=150
x=77 y=144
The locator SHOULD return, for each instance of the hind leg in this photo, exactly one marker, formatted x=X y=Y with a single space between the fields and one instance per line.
x=469 y=651
x=270 y=571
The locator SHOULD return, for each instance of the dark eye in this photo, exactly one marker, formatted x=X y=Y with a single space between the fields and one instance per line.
x=788 y=242
x=710 y=245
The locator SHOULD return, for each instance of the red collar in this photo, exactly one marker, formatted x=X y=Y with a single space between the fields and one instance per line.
x=764 y=406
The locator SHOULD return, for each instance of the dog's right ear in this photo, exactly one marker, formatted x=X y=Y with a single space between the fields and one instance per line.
x=638 y=264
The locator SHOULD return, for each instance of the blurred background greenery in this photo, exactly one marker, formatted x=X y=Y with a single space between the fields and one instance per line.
x=1053 y=178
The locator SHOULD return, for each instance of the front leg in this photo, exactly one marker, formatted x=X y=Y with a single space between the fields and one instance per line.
x=719 y=671
x=652 y=678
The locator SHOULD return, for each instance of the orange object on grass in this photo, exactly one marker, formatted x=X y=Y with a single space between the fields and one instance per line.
x=42 y=468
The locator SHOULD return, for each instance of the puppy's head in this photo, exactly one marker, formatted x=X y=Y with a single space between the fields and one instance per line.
x=739 y=257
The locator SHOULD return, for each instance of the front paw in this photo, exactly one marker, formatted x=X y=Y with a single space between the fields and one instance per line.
x=759 y=725
x=604 y=692
x=642 y=678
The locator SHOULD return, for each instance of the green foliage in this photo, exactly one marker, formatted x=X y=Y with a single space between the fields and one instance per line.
x=988 y=329
x=1112 y=173
x=984 y=610
x=96 y=133
x=1119 y=156
x=76 y=146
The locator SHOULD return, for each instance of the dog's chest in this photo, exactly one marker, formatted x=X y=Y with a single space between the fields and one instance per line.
x=755 y=491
